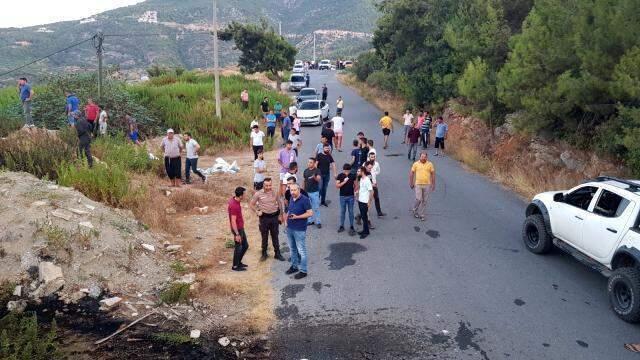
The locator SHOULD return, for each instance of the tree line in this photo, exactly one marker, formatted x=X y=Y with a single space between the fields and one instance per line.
x=570 y=69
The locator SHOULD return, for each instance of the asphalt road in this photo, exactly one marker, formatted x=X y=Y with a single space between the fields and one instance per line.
x=459 y=286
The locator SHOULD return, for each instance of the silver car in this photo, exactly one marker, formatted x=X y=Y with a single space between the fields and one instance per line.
x=297 y=82
x=307 y=94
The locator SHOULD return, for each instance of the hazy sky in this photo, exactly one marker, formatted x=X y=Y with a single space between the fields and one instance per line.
x=21 y=13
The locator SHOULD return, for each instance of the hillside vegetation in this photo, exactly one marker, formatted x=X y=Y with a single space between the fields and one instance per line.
x=569 y=69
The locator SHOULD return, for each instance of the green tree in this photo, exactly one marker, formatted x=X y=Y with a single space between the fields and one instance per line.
x=262 y=49
x=477 y=84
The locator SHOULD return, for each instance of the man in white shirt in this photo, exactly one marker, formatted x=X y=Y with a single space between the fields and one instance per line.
x=364 y=194
x=372 y=150
x=254 y=122
x=102 y=120
x=259 y=169
x=191 y=163
x=293 y=109
x=295 y=139
x=408 y=123
x=338 y=125
x=339 y=106
x=373 y=166
x=257 y=143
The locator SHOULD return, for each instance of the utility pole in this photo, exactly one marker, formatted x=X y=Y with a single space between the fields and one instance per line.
x=216 y=74
x=99 y=38
x=280 y=28
x=314 y=47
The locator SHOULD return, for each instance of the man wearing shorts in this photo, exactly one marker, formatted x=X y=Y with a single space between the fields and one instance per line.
x=338 y=124
x=386 y=123
x=422 y=179
x=172 y=146
x=441 y=134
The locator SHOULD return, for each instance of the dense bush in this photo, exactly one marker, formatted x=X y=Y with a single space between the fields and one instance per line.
x=366 y=64
x=37 y=152
x=10 y=111
x=383 y=80
x=105 y=183
x=22 y=338
x=119 y=151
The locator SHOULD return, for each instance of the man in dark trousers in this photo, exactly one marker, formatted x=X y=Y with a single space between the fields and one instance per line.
x=237 y=229
x=83 y=128
x=268 y=206
x=307 y=79
x=326 y=164
x=325 y=92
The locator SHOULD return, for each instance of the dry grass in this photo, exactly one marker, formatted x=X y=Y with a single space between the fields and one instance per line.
x=149 y=208
x=383 y=100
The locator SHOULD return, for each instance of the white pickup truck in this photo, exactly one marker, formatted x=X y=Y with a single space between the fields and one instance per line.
x=598 y=223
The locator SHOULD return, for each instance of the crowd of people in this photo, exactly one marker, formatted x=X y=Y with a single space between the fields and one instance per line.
x=295 y=198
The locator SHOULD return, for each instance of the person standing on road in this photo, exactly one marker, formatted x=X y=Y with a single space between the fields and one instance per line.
x=299 y=212
x=103 y=120
x=270 y=121
x=422 y=179
x=320 y=147
x=259 y=169
x=326 y=164
x=413 y=138
x=257 y=141
x=286 y=156
x=355 y=156
x=364 y=194
x=244 y=97
x=268 y=207
x=338 y=124
x=83 y=130
x=307 y=79
x=345 y=183
x=295 y=141
x=339 y=106
x=73 y=105
x=285 y=127
x=374 y=170
x=191 y=162
x=408 y=124
x=312 y=178
x=328 y=132
x=264 y=106
x=172 y=146
x=386 y=123
x=26 y=94
x=364 y=151
x=236 y=222
x=91 y=112
x=372 y=150
x=425 y=130
x=441 y=134
x=325 y=92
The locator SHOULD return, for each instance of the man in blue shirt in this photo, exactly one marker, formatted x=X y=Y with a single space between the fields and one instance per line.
x=73 y=104
x=26 y=93
x=286 y=127
x=270 y=120
x=441 y=134
x=298 y=213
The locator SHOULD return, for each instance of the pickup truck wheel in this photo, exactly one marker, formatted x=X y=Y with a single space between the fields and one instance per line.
x=624 y=293
x=535 y=235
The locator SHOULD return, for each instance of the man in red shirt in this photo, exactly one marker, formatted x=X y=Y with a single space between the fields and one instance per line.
x=91 y=112
x=237 y=228
x=413 y=137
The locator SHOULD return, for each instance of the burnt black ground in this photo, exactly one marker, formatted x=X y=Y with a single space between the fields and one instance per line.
x=458 y=286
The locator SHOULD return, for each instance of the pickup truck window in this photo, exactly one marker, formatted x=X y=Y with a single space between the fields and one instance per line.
x=610 y=204
x=581 y=197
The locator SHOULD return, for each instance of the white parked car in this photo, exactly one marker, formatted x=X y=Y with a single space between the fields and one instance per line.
x=313 y=112
x=298 y=62
x=324 y=65
x=297 y=82
x=298 y=68
x=598 y=223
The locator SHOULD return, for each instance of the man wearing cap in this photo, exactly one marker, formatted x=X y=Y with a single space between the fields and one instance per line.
x=268 y=206
x=237 y=229
x=172 y=146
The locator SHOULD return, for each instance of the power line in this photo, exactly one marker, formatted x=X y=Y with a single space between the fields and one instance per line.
x=46 y=57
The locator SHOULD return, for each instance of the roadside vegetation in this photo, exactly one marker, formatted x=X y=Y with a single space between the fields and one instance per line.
x=569 y=68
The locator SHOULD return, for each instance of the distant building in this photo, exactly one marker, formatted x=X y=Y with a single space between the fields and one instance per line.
x=44 y=30
x=88 y=20
x=149 y=17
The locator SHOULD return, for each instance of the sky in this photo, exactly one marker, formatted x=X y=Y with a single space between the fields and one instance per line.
x=22 y=13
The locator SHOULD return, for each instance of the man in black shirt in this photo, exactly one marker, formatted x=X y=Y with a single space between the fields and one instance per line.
x=345 y=182
x=287 y=194
x=325 y=164
x=265 y=105
x=328 y=132
x=325 y=92
x=364 y=151
x=312 y=180
x=83 y=128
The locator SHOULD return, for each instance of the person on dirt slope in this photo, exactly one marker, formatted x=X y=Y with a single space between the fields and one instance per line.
x=191 y=161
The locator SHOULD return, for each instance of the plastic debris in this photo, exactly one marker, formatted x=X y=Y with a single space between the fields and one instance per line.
x=221 y=166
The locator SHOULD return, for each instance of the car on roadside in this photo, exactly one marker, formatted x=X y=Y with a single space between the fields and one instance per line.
x=313 y=112
x=324 y=65
x=307 y=94
x=348 y=64
x=298 y=68
x=297 y=82
x=298 y=62
x=598 y=223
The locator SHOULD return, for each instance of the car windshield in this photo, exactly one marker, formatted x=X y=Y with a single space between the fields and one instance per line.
x=309 y=105
x=308 y=92
x=297 y=79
